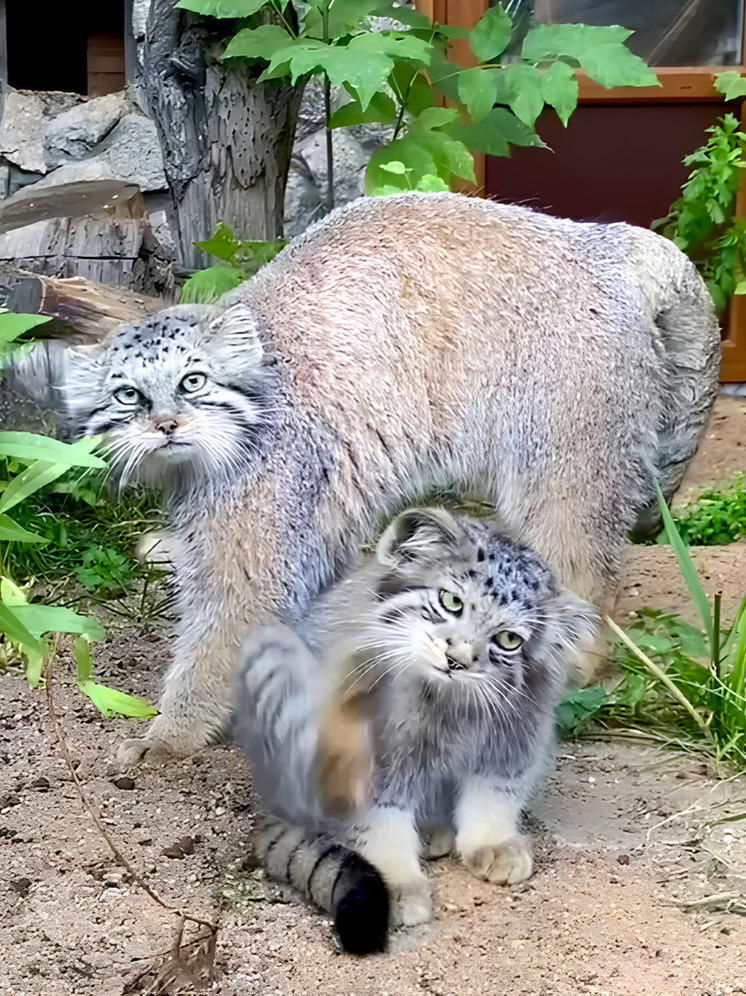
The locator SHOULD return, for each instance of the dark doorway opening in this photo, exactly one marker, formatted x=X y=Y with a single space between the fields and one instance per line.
x=73 y=47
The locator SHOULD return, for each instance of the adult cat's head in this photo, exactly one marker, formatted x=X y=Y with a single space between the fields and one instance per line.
x=182 y=396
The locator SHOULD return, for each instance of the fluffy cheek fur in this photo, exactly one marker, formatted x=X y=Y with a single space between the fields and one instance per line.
x=203 y=443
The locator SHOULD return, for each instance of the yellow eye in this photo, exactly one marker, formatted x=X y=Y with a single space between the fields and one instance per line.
x=508 y=640
x=450 y=602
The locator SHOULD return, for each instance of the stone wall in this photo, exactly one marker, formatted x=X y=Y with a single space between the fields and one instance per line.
x=83 y=189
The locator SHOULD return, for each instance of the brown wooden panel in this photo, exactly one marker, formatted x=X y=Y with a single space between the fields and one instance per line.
x=105 y=60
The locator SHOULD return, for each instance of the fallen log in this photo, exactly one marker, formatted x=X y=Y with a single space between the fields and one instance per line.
x=84 y=311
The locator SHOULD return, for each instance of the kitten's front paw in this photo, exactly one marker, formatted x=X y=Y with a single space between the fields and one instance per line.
x=411 y=904
x=504 y=864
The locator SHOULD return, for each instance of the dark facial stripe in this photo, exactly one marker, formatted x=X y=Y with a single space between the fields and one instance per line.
x=393 y=584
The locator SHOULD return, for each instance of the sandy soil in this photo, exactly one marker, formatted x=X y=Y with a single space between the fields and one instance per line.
x=641 y=857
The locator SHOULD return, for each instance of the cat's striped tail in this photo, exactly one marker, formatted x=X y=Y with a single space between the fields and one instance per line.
x=332 y=877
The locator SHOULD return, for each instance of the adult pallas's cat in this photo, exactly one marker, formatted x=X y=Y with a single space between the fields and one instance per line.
x=403 y=347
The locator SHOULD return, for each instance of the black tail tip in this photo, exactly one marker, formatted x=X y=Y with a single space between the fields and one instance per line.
x=361 y=920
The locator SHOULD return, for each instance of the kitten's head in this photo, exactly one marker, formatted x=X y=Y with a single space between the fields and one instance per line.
x=182 y=396
x=459 y=604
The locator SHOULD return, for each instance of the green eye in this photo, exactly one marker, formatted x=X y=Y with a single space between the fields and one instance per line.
x=450 y=602
x=508 y=640
x=193 y=382
x=127 y=395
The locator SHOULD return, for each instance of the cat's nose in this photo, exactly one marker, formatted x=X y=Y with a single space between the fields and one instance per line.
x=459 y=657
x=167 y=426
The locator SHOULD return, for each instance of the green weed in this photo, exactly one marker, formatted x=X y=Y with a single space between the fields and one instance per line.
x=681 y=684
x=35 y=535
x=717 y=517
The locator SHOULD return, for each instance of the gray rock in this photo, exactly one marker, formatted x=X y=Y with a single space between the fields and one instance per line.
x=74 y=133
x=130 y=152
x=304 y=202
x=25 y=115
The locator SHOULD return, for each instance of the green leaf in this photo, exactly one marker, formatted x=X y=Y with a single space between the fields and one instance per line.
x=431 y=184
x=15 y=629
x=559 y=88
x=614 y=65
x=490 y=36
x=395 y=167
x=434 y=117
x=11 y=532
x=29 y=481
x=731 y=84
x=477 y=89
x=257 y=43
x=82 y=649
x=209 y=285
x=111 y=702
x=599 y=50
x=412 y=87
x=223 y=244
x=687 y=568
x=28 y=447
x=450 y=155
x=223 y=8
x=400 y=12
x=361 y=63
x=381 y=108
x=547 y=42
x=524 y=88
x=346 y=15
x=576 y=709
x=12 y=325
x=40 y=619
x=413 y=157
x=494 y=132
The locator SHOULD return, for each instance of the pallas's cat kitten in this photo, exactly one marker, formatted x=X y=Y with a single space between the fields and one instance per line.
x=454 y=639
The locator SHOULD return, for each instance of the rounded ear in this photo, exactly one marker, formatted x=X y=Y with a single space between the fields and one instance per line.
x=234 y=336
x=416 y=532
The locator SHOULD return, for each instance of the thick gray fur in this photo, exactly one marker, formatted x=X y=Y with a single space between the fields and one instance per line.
x=461 y=725
x=403 y=347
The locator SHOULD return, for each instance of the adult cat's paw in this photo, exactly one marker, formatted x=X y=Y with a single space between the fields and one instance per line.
x=411 y=904
x=504 y=864
x=164 y=742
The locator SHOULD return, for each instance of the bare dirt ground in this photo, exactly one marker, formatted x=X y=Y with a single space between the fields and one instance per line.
x=641 y=857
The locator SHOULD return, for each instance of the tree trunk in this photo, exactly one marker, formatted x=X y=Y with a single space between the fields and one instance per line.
x=226 y=141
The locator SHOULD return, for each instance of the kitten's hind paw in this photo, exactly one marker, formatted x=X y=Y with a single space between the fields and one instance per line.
x=411 y=904
x=439 y=842
x=504 y=864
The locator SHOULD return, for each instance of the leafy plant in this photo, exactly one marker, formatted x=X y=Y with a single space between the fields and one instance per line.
x=33 y=462
x=683 y=684
x=701 y=222
x=396 y=72
x=717 y=517
x=240 y=259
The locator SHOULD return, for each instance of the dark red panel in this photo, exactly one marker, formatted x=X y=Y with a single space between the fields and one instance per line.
x=613 y=163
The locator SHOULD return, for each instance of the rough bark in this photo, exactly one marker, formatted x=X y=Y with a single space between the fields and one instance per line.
x=226 y=141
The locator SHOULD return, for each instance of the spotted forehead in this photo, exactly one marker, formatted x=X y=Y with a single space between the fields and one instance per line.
x=509 y=573
x=154 y=341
